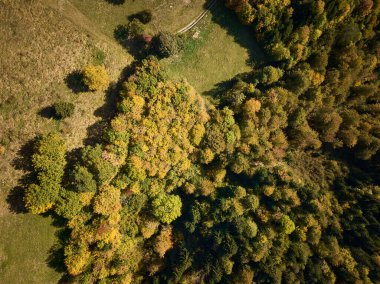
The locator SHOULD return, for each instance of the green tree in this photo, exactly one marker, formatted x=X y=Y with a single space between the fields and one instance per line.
x=135 y=28
x=319 y=60
x=83 y=180
x=287 y=224
x=271 y=75
x=64 y=109
x=279 y=51
x=167 y=44
x=107 y=201
x=49 y=158
x=69 y=204
x=39 y=200
x=49 y=164
x=246 y=227
x=167 y=207
x=245 y=12
x=94 y=159
x=350 y=34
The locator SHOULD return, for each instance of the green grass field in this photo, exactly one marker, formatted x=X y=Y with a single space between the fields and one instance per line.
x=216 y=50
x=43 y=42
x=25 y=242
x=218 y=46
x=167 y=15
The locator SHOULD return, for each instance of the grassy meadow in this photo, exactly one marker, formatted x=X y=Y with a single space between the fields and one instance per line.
x=25 y=244
x=40 y=46
x=45 y=41
x=217 y=46
x=216 y=50
x=168 y=15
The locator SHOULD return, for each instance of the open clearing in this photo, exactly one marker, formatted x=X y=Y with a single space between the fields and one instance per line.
x=218 y=46
x=168 y=15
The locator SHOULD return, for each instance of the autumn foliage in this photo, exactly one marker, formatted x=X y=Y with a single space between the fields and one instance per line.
x=274 y=180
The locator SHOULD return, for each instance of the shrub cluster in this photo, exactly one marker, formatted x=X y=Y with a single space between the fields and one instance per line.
x=64 y=109
x=49 y=164
x=276 y=183
x=166 y=44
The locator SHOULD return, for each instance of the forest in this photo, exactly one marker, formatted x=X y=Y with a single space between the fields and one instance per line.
x=272 y=178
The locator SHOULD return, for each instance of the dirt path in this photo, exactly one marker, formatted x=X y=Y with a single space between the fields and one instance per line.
x=209 y=6
x=69 y=11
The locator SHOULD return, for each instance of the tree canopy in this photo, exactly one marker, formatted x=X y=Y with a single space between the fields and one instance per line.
x=274 y=180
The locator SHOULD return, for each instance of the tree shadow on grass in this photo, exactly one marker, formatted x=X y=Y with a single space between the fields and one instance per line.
x=95 y=132
x=47 y=112
x=243 y=35
x=23 y=162
x=116 y=2
x=74 y=81
x=136 y=46
x=105 y=112
x=15 y=200
x=56 y=257
x=222 y=87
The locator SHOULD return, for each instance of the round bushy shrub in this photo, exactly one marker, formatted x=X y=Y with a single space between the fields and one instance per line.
x=64 y=109
x=167 y=44
x=95 y=78
x=135 y=28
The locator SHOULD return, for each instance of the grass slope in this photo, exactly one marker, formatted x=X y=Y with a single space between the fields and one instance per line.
x=39 y=47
